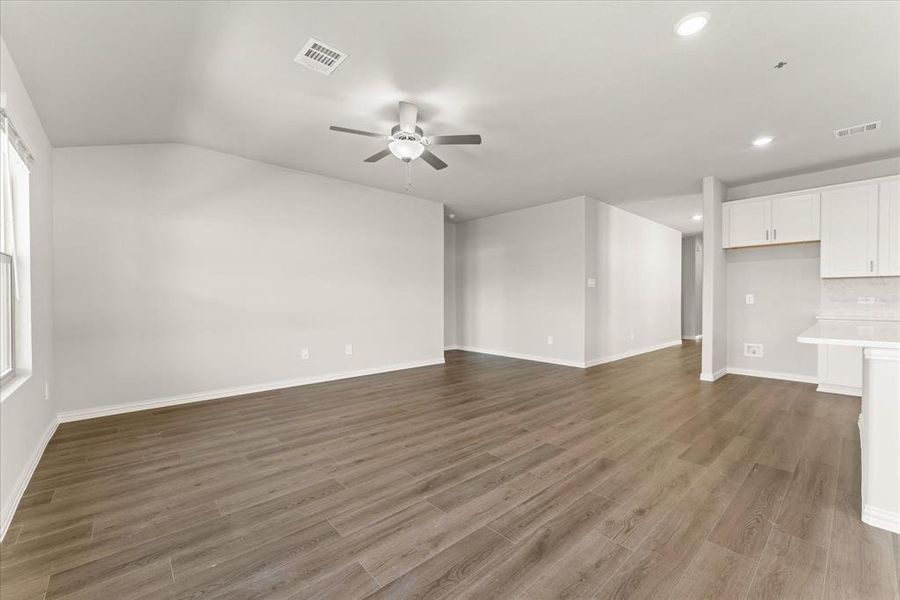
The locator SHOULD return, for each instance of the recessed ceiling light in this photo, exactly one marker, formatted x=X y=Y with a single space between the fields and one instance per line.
x=764 y=140
x=697 y=217
x=692 y=23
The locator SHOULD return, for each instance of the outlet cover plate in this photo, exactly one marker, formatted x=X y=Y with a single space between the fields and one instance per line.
x=754 y=350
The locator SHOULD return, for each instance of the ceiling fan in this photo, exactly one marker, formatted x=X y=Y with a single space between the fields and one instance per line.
x=407 y=140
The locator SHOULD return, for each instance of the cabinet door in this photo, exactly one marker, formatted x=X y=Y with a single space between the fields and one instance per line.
x=849 y=231
x=840 y=369
x=795 y=218
x=747 y=223
x=889 y=228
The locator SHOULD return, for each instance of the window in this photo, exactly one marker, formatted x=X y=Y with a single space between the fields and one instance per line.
x=14 y=177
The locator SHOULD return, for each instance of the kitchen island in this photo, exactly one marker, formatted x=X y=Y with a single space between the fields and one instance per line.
x=879 y=420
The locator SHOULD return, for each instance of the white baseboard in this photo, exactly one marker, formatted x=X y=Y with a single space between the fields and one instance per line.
x=570 y=363
x=115 y=409
x=883 y=519
x=714 y=376
x=24 y=478
x=774 y=375
x=451 y=348
x=695 y=338
x=630 y=353
x=544 y=359
x=844 y=390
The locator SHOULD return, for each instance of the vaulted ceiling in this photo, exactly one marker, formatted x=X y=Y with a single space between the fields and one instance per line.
x=571 y=98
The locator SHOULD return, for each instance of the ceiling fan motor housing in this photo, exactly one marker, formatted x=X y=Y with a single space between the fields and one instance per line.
x=399 y=134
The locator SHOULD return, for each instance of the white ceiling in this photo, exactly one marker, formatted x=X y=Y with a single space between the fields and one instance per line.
x=572 y=98
x=675 y=211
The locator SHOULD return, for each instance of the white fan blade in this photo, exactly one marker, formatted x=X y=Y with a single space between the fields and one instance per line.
x=433 y=160
x=445 y=140
x=356 y=132
x=409 y=114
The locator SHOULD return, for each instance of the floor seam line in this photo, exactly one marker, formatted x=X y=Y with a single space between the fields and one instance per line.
x=375 y=579
x=759 y=562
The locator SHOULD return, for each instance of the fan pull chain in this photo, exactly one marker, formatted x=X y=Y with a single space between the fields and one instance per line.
x=408 y=176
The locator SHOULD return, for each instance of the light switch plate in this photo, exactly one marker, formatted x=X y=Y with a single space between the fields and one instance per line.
x=304 y=354
x=592 y=283
x=749 y=299
x=550 y=340
x=348 y=349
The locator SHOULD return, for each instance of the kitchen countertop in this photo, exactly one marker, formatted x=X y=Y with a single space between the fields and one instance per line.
x=865 y=334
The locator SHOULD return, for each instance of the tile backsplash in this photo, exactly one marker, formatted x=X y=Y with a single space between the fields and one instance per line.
x=840 y=298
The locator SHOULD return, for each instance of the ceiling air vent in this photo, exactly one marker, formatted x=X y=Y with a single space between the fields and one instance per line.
x=857 y=129
x=320 y=57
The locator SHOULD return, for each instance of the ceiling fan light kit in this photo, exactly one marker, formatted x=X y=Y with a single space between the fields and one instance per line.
x=407 y=140
x=406 y=150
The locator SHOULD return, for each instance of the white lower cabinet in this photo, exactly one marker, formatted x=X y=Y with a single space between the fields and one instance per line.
x=840 y=370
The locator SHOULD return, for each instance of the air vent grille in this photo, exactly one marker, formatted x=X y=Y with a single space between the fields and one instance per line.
x=857 y=129
x=320 y=57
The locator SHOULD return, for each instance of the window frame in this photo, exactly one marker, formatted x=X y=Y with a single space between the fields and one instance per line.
x=19 y=152
x=5 y=377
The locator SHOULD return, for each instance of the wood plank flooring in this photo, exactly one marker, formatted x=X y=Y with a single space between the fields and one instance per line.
x=483 y=478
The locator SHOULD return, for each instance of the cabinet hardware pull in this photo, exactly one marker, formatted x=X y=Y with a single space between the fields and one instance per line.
x=767 y=234
x=774 y=234
x=871 y=266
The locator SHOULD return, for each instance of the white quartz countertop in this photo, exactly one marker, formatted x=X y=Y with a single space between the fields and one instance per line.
x=865 y=334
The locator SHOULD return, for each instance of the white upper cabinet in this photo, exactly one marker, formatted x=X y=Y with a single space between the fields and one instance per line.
x=888 y=262
x=850 y=231
x=795 y=218
x=746 y=223
x=780 y=219
x=857 y=223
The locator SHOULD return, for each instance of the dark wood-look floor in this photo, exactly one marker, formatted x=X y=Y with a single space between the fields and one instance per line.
x=484 y=478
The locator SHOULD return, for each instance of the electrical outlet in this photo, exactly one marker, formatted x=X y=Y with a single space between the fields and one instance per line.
x=592 y=283
x=348 y=349
x=550 y=340
x=754 y=350
x=865 y=300
x=749 y=299
x=304 y=354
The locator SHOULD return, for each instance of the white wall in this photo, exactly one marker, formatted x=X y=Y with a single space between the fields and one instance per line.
x=181 y=271
x=449 y=285
x=636 y=304
x=27 y=418
x=520 y=279
x=691 y=286
x=522 y=276
x=714 y=354
x=784 y=281
x=857 y=172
